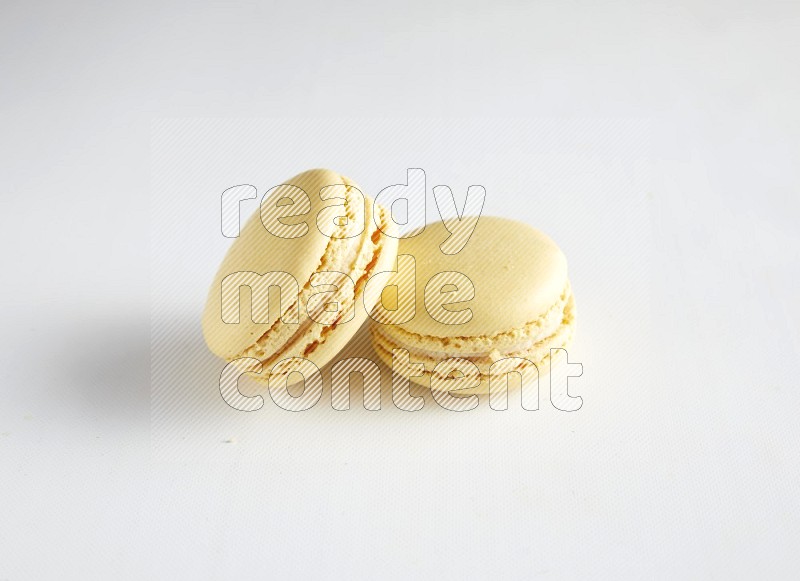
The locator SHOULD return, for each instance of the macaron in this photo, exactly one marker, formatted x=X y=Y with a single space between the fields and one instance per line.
x=317 y=239
x=501 y=303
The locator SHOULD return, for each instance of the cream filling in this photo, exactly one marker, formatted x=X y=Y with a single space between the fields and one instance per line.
x=541 y=364
x=558 y=337
x=507 y=352
x=502 y=341
x=359 y=258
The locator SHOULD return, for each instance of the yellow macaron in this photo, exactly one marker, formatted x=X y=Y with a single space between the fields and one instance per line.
x=501 y=303
x=318 y=239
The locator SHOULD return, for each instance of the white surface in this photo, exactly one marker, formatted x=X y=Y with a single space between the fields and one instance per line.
x=684 y=253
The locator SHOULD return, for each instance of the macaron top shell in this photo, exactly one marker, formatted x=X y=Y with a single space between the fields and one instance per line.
x=518 y=273
x=355 y=251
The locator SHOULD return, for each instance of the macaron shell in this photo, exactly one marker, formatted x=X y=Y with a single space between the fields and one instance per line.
x=257 y=250
x=518 y=273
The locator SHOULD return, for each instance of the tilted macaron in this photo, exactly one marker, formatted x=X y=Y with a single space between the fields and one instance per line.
x=522 y=304
x=315 y=318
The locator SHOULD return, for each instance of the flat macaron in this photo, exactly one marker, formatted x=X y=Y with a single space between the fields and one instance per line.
x=501 y=303
x=318 y=239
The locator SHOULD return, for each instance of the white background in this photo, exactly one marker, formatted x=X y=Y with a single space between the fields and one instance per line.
x=657 y=143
